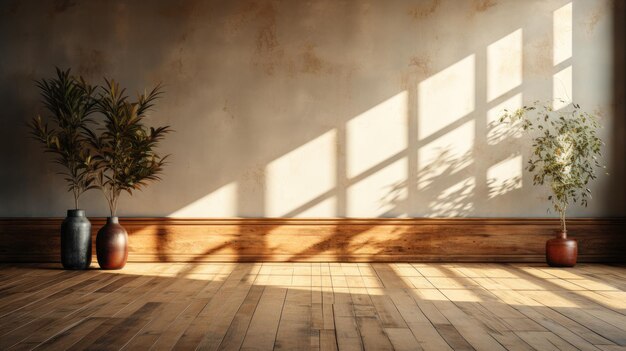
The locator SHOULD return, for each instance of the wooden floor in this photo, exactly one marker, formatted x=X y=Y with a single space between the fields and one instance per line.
x=321 y=306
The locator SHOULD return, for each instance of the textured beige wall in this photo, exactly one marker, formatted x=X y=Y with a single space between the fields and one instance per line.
x=318 y=108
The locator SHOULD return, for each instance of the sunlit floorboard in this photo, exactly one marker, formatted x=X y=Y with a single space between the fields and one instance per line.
x=321 y=306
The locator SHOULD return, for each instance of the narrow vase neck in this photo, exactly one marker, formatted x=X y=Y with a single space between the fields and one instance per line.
x=113 y=220
x=76 y=213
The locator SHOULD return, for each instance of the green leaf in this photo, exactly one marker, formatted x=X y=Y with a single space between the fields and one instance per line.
x=565 y=150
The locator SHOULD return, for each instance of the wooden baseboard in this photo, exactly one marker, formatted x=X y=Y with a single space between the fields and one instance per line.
x=327 y=240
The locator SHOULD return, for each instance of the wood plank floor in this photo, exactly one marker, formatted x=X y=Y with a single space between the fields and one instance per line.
x=320 y=306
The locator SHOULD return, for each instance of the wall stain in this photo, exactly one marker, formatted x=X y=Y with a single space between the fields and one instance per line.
x=91 y=63
x=184 y=14
x=540 y=56
x=424 y=10
x=234 y=23
x=269 y=54
x=254 y=175
x=178 y=64
x=484 y=5
x=596 y=15
x=226 y=109
x=268 y=50
x=270 y=63
x=421 y=64
x=262 y=15
x=266 y=40
x=311 y=63
x=599 y=112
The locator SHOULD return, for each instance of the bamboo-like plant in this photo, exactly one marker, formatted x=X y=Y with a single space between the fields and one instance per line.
x=124 y=153
x=565 y=151
x=70 y=102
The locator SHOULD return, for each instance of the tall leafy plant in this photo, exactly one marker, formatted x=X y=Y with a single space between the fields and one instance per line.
x=565 y=154
x=124 y=152
x=70 y=103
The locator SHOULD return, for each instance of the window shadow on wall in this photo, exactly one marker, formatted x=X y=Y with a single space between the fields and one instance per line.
x=292 y=123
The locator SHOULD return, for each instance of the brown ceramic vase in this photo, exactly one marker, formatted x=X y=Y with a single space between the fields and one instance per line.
x=112 y=245
x=561 y=251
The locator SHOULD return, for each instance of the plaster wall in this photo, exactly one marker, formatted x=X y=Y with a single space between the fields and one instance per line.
x=322 y=108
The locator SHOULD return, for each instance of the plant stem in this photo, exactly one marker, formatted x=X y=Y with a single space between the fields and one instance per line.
x=115 y=198
x=562 y=215
x=112 y=204
x=75 y=199
x=108 y=198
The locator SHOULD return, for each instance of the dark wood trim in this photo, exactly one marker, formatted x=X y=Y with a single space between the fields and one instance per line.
x=328 y=239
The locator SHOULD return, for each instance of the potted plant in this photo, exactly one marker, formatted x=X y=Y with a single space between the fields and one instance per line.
x=70 y=103
x=124 y=161
x=565 y=154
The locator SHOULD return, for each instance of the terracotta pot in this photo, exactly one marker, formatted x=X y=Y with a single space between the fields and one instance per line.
x=76 y=240
x=112 y=245
x=561 y=251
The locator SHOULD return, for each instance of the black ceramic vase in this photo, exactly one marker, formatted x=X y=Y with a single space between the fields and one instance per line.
x=112 y=245
x=76 y=240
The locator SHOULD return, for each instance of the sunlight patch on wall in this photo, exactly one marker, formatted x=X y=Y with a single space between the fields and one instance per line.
x=498 y=132
x=367 y=198
x=455 y=201
x=302 y=175
x=377 y=134
x=504 y=65
x=562 y=33
x=220 y=203
x=562 y=49
x=504 y=176
x=445 y=97
x=562 y=88
x=446 y=155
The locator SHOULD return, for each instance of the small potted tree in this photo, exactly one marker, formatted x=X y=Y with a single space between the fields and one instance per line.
x=564 y=156
x=124 y=161
x=70 y=103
